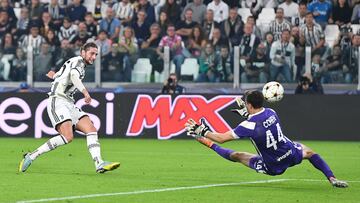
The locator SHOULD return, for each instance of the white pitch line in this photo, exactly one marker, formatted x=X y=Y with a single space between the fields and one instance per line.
x=171 y=189
x=152 y=191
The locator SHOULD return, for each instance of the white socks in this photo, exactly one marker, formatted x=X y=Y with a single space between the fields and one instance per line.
x=94 y=147
x=51 y=144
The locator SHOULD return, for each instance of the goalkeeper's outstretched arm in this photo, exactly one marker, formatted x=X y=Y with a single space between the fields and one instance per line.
x=220 y=137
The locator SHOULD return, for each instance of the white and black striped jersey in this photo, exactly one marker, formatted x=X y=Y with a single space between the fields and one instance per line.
x=62 y=86
x=30 y=42
x=276 y=28
x=68 y=33
x=123 y=11
x=311 y=34
x=298 y=21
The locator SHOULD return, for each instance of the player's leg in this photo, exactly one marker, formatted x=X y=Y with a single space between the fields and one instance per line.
x=316 y=160
x=229 y=154
x=86 y=126
x=61 y=120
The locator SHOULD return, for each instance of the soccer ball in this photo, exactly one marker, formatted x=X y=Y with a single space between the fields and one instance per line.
x=273 y=91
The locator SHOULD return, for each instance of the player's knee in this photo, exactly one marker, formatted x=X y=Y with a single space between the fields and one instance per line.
x=308 y=153
x=237 y=156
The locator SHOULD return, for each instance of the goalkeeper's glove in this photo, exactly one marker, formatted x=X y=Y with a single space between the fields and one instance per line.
x=193 y=129
x=242 y=111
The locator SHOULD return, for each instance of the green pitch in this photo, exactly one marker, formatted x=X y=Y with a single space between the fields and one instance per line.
x=170 y=171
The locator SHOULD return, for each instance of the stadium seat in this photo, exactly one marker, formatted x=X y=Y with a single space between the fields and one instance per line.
x=331 y=34
x=17 y=12
x=190 y=67
x=355 y=28
x=265 y=17
x=244 y=13
x=159 y=77
x=142 y=70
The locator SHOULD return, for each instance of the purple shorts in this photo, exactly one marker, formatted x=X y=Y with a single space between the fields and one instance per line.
x=257 y=162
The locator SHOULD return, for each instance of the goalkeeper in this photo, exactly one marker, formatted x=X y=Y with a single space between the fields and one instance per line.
x=275 y=151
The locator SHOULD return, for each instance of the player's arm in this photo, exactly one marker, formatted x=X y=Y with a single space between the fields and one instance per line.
x=75 y=78
x=220 y=137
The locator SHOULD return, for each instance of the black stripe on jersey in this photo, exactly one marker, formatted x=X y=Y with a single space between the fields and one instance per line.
x=53 y=110
x=68 y=87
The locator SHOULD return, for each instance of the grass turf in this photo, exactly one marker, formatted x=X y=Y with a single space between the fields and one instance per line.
x=154 y=164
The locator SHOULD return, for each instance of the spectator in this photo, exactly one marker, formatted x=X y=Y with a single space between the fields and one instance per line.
x=81 y=37
x=256 y=30
x=306 y=85
x=184 y=28
x=141 y=28
x=321 y=9
x=269 y=39
x=66 y=52
x=163 y=22
x=150 y=11
x=248 y=44
x=254 y=6
x=341 y=13
x=91 y=25
x=46 y=24
x=128 y=48
x=8 y=52
x=19 y=66
x=221 y=10
x=35 y=9
x=22 y=25
x=173 y=41
x=257 y=67
x=233 y=27
x=299 y=20
x=333 y=68
x=56 y=12
x=173 y=11
x=279 y=24
x=290 y=8
x=299 y=51
x=68 y=30
x=114 y=70
x=282 y=55
x=104 y=45
x=199 y=8
x=344 y=39
x=171 y=86
x=4 y=6
x=314 y=36
x=42 y=63
x=76 y=12
x=209 y=65
x=32 y=41
x=124 y=11
x=5 y=24
x=53 y=41
x=352 y=59
x=149 y=46
x=209 y=24
x=98 y=11
x=111 y=25
x=218 y=40
x=196 y=42
x=355 y=17
x=226 y=63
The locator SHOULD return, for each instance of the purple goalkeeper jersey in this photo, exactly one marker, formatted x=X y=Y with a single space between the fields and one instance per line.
x=264 y=130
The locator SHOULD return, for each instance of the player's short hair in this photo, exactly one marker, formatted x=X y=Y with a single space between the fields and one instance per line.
x=88 y=45
x=255 y=98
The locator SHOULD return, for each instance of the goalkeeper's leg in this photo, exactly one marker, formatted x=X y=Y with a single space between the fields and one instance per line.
x=229 y=154
x=316 y=160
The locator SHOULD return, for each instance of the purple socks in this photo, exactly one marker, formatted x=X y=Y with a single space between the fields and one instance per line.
x=225 y=153
x=320 y=164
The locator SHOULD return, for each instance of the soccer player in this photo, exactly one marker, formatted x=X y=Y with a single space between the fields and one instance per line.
x=276 y=152
x=65 y=116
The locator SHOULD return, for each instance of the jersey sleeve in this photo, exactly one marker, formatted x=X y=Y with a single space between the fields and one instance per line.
x=75 y=78
x=244 y=129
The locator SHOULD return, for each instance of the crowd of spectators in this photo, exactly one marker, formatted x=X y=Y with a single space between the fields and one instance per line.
x=207 y=30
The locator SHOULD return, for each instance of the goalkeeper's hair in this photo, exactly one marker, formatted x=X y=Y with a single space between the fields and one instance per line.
x=88 y=45
x=255 y=98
